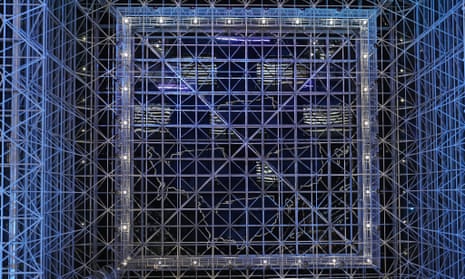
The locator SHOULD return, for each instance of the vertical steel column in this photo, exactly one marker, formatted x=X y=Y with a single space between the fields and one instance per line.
x=14 y=160
x=123 y=193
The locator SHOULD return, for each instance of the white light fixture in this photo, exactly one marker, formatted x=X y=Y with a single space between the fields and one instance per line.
x=229 y=21
x=366 y=123
x=367 y=157
x=401 y=70
x=125 y=88
x=124 y=157
x=368 y=225
x=125 y=54
x=265 y=262
x=83 y=161
x=124 y=227
x=195 y=262
x=331 y=22
x=124 y=192
x=126 y=20
x=334 y=261
x=365 y=22
x=402 y=100
x=160 y=20
x=195 y=20
x=369 y=261
x=84 y=69
x=367 y=192
x=263 y=21
x=365 y=89
x=125 y=122
x=297 y=21
x=365 y=56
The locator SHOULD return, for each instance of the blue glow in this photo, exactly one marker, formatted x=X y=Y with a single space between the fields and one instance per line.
x=227 y=106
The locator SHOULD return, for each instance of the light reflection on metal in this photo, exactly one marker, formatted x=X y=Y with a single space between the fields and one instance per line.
x=152 y=118
x=243 y=39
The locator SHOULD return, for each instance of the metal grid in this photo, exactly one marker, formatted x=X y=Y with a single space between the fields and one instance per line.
x=247 y=139
x=21 y=160
x=60 y=145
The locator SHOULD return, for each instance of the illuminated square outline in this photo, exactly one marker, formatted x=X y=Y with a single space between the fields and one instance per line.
x=363 y=20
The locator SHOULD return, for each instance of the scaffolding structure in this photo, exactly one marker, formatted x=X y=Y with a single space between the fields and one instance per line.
x=232 y=139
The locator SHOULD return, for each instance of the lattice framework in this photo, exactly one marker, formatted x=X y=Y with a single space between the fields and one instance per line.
x=59 y=149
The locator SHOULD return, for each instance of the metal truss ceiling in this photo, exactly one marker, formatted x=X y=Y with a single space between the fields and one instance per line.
x=232 y=139
x=247 y=139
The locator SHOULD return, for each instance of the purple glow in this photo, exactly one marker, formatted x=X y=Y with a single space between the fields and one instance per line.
x=172 y=86
x=243 y=39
